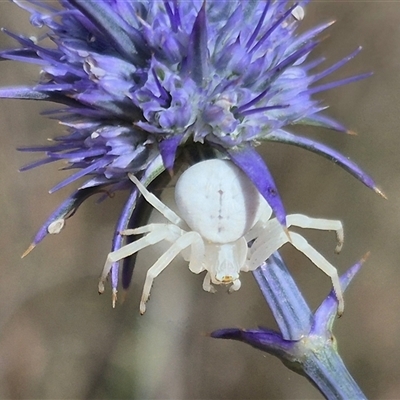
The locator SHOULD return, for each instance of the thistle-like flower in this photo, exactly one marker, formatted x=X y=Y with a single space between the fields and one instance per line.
x=138 y=81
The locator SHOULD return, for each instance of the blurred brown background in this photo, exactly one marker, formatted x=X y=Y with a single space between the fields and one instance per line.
x=60 y=340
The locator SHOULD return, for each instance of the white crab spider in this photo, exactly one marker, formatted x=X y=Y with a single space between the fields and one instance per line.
x=220 y=212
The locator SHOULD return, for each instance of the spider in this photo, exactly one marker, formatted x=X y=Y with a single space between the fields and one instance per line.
x=223 y=226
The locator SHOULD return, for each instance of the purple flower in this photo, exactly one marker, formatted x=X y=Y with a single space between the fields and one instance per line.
x=140 y=81
x=305 y=343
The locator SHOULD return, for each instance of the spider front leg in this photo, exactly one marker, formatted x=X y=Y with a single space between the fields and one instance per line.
x=323 y=264
x=155 y=233
x=158 y=204
x=187 y=239
x=302 y=221
x=274 y=237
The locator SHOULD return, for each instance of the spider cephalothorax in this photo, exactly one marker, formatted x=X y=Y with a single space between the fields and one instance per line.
x=219 y=213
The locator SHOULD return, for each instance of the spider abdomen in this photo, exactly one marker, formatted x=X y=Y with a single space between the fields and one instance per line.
x=217 y=200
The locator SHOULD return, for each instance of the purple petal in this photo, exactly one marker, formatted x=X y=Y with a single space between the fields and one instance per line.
x=128 y=218
x=325 y=122
x=327 y=311
x=111 y=25
x=168 y=149
x=26 y=93
x=258 y=26
x=251 y=163
x=35 y=164
x=336 y=66
x=331 y=85
x=122 y=224
x=91 y=168
x=64 y=211
x=308 y=35
x=22 y=92
x=290 y=310
x=291 y=59
x=273 y=27
x=23 y=55
x=282 y=136
x=266 y=340
x=197 y=59
x=173 y=16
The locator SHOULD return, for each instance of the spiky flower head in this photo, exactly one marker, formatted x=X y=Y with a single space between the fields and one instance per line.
x=139 y=81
